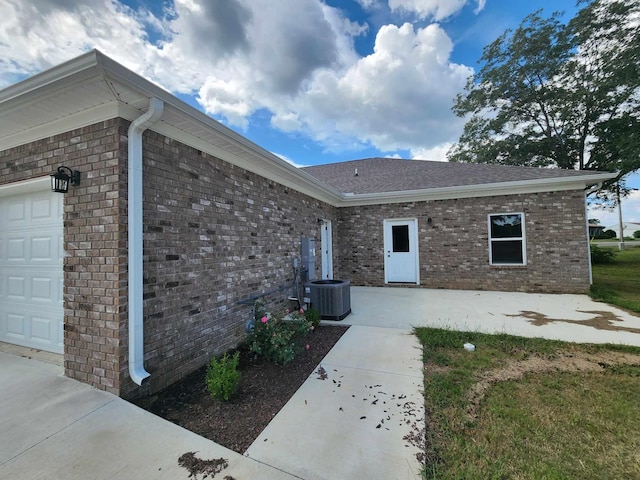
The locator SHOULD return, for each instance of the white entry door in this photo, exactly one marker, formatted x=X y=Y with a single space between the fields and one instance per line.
x=401 y=251
x=327 y=250
x=31 y=273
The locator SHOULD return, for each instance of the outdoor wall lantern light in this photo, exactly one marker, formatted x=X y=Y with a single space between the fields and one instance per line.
x=63 y=177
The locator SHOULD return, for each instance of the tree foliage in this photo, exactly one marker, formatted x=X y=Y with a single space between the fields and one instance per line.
x=558 y=94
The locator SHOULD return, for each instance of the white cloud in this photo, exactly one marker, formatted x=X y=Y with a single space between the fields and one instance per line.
x=39 y=34
x=367 y=4
x=437 y=153
x=288 y=160
x=399 y=97
x=436 y=10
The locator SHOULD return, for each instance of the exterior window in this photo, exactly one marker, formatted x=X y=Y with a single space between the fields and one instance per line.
x=507 y=239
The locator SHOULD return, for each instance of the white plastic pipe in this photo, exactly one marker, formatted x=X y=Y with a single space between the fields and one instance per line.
x=136 y=310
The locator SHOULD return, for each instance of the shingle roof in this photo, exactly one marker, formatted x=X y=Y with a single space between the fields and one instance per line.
x=376 y=175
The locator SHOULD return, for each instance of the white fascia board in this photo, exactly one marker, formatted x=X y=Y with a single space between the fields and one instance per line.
x=40 y=81
x=469 y=191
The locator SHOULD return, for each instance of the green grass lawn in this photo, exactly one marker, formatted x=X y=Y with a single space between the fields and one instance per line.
x=529 y=422
x=514 y=408
x=618 y=283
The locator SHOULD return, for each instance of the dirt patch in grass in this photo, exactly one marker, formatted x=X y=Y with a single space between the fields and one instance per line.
x=562 y=362
x=600 y=321
x=264 y=389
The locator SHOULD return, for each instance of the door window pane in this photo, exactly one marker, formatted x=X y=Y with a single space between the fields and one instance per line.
x=400 y=234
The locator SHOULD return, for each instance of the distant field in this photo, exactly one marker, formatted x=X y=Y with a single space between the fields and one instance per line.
x=618 y=283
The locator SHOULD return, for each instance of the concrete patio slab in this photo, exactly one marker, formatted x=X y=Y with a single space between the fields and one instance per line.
x=573 y=318
x=55 y=427
x=356 y=422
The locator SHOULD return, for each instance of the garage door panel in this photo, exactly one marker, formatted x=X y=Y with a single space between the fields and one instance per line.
x=42 y=248
x=31 y=273
x=17 y=290
x=41 y=329
x=32 y=329
x=42 y=209
x=16 y=212
x=29 y=285
x=16 y=250
x=42 y=289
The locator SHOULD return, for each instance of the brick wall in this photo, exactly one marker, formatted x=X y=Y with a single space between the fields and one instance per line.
x=95 y=255
x=454 y=247
x=214 y=235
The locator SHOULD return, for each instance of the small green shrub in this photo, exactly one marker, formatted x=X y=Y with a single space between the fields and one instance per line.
x=601 y=256
x=278 y=340
x=636 y=234
x=223 y=376
x=313 y=316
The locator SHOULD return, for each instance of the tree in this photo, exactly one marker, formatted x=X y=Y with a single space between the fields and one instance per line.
x=560 y=95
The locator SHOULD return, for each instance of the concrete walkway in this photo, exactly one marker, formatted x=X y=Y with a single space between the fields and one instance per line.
x=572 y=318
x=353 y=422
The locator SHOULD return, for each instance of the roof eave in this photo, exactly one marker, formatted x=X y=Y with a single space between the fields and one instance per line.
x=484 y=190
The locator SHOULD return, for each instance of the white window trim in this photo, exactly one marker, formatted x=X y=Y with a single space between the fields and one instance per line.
x=523 y=238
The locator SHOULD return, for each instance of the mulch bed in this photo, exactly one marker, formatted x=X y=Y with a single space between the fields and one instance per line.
x=264 y=389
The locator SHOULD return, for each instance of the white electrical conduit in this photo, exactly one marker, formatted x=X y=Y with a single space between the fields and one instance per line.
x=136 y=310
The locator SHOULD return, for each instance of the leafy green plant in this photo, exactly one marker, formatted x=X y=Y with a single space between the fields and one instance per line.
x=602 y=255
x=280 y=338
x=259 y=309
x=223 y=376
x=313 y=316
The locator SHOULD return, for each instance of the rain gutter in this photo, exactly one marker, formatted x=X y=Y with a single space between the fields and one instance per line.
x=136 y=310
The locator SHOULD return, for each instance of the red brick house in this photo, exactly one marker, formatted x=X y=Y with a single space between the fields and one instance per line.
x=138 y=272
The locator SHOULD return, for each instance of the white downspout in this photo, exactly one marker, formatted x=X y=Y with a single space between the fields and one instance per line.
x=136 y=327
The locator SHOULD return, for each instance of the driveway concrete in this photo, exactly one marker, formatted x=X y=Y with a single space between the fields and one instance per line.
x=573 y=318
x=54 y=427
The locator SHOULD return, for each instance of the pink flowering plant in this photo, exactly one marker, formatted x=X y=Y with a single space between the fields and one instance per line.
x=280 y=337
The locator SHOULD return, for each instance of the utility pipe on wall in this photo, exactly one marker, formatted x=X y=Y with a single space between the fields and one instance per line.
x=136 y=310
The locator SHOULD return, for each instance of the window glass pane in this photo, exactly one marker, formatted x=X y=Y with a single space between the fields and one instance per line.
x=509 y=251
x=506 y=226
x=400 y=234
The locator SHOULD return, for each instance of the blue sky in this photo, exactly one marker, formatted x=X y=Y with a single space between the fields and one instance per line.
x=312 y=81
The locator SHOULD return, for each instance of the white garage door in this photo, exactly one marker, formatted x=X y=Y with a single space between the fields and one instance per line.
x=31 y=229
